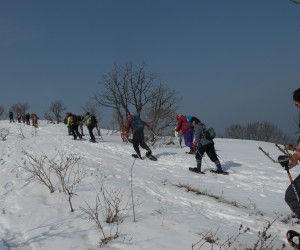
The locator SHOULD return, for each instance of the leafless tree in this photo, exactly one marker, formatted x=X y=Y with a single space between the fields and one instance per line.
x=48 y=117
x=4 y=133
x=116 y=93
x=131 y=89
x=68 y=172
x=56 y=108
x=93 y=108
x=109 y=208
x=259 y=131
x=20 y=108
x=38 y=169
x=162 y=108
x=2 y=109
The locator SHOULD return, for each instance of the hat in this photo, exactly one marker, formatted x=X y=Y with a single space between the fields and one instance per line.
x=87 y=113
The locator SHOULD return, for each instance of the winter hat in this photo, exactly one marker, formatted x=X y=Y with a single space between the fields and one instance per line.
x=87 y=113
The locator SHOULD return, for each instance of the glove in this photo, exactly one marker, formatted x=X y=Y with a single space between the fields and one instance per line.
x=195 y=145
x=290 y=147
x=293 y=160
x=123 y=133
x=176 y=133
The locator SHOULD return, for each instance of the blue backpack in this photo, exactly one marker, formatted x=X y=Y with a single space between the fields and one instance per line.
x=137 y=121
x=189 y=118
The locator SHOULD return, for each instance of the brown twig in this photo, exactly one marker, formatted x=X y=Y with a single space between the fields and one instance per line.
x=283 y=150
x=267 y=154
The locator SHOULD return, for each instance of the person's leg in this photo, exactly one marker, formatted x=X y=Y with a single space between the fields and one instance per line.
x=199 y=154
x=136 y=140
x=211 y=153
x=93 y=139
x=292 y=200
x=77 y=132
x=73 y=132
x=188 y=138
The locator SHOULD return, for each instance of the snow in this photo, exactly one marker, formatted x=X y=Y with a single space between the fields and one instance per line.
x=165 y=215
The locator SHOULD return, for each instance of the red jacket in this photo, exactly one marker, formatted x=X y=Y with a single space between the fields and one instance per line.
x=182 y=124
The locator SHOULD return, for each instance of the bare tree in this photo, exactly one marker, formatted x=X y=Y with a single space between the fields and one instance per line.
x=48 y=117
x=116 y=94
x=68 y=172
x=93 y=108
x=57 y=107
x=20 y=108
x=131 y=88
x=162 y=108
x=4 y=133
x=259 y=131
x=38 y=169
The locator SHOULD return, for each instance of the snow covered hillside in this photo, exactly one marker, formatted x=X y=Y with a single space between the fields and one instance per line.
x=155 y=210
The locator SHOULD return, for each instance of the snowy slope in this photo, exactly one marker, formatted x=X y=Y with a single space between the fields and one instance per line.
x=167 y=217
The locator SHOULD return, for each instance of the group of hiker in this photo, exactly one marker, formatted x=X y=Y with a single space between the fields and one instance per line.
x=191 y=129
x=75 y=122
x=197 y=138
x=25 y=118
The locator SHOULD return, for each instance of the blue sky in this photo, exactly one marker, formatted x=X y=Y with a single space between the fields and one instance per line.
x=231 y=61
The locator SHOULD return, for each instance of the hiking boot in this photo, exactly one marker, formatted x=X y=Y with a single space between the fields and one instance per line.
x=196 y=170
x=148 y=153
x=219 y=171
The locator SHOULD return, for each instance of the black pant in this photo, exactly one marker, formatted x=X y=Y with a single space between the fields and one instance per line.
x=292 y=196
x=209 y=149
x=138 y=140
x=75 y=132
x=90 y=128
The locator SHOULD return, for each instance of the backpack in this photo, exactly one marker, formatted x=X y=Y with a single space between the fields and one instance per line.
x=93 y=121
x=73 y=119
x=137 y=122
x=188 y=119
x=209 y=132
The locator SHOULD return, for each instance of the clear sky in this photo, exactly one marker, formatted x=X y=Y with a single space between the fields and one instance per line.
x=231 y=61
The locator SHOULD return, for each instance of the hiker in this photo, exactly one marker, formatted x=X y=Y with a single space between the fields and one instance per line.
x=34 y=119
x=80 y=121
x=91 y=122
x=72 y=122
x=184 y=124
x=11 y=116
x=202 y=145
x=291 y=197
x=136 y=124
x=27 y=118
x=66 y=122
x=97 y=128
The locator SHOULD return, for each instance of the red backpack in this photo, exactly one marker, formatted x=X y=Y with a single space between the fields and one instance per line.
x=73 y=119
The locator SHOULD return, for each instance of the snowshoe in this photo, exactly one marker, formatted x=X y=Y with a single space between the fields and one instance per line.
x=151 y=157
x=136 y=156
x=196 y=170
x=293 y=238
x=219 y=172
